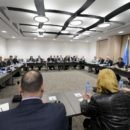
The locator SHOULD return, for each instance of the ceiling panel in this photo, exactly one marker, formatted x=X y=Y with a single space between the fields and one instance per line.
x=29 y=28
x=85 y=21
x=64 y=5
x=57 y=19
x=99 y=8
x=73 y=30
x=31 y=34
x=65 y=36
x=112 y=26
x=123 y=17
x=49 y=35
x=26 y=4
x=104 y=7
x=52 y=28
x=21 y=17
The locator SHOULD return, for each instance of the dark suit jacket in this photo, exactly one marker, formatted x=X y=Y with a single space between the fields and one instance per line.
x=32 y=114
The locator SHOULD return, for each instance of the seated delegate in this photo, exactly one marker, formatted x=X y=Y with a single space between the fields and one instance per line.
x=32 y=113
x=109 y=108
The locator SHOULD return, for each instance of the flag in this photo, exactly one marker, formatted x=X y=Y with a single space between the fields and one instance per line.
x=126 y=54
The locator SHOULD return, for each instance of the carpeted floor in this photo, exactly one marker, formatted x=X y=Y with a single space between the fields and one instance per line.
x=59 y=81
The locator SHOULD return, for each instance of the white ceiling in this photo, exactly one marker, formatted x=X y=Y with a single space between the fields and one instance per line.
x=57 y=20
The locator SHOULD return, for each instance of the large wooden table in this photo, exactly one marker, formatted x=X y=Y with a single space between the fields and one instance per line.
x=71 y=102
x=119 y=71
x=9 y=75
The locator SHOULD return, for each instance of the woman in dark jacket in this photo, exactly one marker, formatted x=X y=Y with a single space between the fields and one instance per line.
x=109 y=108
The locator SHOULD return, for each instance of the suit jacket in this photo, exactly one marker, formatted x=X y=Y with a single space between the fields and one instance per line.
x=32 y=114
x=108 y=62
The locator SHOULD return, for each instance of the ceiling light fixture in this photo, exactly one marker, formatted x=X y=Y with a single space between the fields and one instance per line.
x=120 y=32
x=104 y=25
x=40 y=35
x=4 y=31
x=41 y=19
x=64 y=31
x=54 y=39
x=40 y=30
x=13 y=37
x=76 y=22
x=35 y=38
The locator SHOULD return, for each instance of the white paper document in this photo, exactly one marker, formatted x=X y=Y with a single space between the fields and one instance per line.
x=4 y=107
x=52 y=98
x=78 y=94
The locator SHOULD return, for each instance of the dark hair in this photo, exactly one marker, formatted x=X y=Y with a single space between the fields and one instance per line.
x=31 y=81
x=120 y=58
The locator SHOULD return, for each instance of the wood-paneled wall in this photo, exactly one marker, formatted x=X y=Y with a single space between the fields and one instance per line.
x=113 y=47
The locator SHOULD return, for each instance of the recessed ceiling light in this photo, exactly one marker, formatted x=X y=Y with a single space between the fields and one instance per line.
x=13 y=37
x=104 y=25
x=64 y=31
x=71 y=40
x=35 y=38
x=41 y=19
x=120 y=32
x=76 y=22
x=4 y=31
x=54 y=39
x=40 y=30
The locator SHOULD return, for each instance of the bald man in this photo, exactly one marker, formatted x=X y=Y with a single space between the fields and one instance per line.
x=32 y=113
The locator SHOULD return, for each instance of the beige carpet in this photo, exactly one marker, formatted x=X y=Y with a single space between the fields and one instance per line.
x=59 y=81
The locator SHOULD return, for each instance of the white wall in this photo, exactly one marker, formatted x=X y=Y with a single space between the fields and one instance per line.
x=3 y=49
x=91 y=51
x=25 y=48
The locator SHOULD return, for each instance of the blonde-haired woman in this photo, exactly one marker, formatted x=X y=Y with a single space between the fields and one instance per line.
x=109 y=108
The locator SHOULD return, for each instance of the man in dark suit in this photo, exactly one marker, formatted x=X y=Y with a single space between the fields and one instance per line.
x=2 y=63
x=108 y=61
x=15 y=60
x=10 y=61
x=32 y=113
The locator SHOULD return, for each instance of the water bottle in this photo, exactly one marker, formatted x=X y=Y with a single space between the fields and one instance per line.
x=88 y=87
x=121 y=84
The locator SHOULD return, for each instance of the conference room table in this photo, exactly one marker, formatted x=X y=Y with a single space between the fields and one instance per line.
x=71 y=101
x=120 y=71
x=8 y=76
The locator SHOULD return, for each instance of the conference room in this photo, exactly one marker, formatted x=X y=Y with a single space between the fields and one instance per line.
x=64 y=65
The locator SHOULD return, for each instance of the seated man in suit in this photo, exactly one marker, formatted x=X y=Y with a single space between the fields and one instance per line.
x=119 y=64
x=39 y=60
x=108 y=61
x=1 y=62
x=15 y=60
x=10 y=61
x=32 y=113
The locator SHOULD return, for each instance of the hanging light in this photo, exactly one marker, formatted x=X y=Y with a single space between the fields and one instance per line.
x=41 y=19
x=64 y=31
x=76 y=22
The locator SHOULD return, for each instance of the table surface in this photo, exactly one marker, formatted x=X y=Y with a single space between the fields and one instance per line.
x=70 y=101
x=6 y=76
